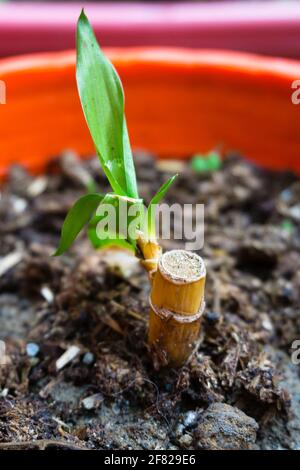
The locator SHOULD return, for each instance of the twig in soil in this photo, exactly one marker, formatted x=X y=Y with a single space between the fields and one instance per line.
x=41 y=444
x=136 y=315
x=130 y=312
x=67 y=357
x=113 y=324
x=9 y=261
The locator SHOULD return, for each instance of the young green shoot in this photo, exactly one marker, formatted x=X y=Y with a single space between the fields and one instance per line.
x=178 y=276
x=102 y=99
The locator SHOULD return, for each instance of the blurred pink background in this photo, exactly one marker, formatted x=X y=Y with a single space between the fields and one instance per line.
x=262 y=27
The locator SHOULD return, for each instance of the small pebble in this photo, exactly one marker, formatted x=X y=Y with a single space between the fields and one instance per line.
x=179 y=429
x=287 y=292
x=47 y=294
x=92 y=402
x=19 y=204
x=266 y=322
x=295 y=212
x=38 y=186
x=212 y=317
x=88 y=358
x=190 y=418
x=286 y=195
x=185 y=440
x=32 y=349
x=224 y=427
x=4 y=393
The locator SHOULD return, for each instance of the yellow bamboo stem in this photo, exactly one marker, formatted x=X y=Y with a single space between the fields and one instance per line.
x=151 y=252
x=177 y=304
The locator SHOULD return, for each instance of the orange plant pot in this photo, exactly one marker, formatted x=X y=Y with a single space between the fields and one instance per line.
x=178 y=102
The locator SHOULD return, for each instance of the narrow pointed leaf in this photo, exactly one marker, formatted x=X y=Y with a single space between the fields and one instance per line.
x=77 y=217
x=150 y=222
x=102 y=100
x=162 y=191
x=130 y=175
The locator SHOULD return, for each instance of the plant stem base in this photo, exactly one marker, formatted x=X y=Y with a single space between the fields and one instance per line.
x=177 y=304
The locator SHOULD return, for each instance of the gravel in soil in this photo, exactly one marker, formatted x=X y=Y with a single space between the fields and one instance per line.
x=76 y=372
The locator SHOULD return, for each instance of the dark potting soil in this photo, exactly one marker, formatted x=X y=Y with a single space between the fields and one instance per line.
x=241 y=388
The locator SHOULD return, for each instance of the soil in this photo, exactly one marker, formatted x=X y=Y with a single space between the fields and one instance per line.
x=89 y=310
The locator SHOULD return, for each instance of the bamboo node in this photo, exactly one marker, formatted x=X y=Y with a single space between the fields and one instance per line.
x=166 y=314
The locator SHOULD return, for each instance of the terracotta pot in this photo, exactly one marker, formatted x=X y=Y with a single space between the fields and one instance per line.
x=178 y=102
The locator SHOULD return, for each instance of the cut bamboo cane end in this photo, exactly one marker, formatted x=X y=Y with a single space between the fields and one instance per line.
x=177 y=305
x=183 y=267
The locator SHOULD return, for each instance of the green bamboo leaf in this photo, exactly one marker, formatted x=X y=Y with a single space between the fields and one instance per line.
x=150 y=216
x=102 y=100
x=77 y=217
